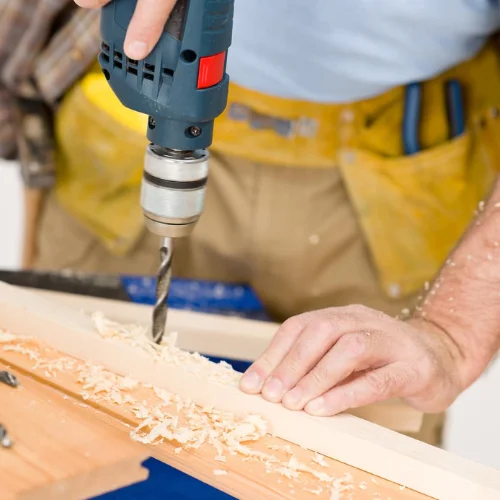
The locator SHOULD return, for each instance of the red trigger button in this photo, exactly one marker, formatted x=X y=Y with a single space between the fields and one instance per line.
x=211 y=70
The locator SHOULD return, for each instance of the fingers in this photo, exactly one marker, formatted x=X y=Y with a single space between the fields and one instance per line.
x=146 y=27
x=279 y=346
x=373 y=386
x=311 y=346
x=91 y=4
x=352 y=353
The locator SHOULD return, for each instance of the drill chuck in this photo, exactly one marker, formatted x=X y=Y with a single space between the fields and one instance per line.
x=173 y=190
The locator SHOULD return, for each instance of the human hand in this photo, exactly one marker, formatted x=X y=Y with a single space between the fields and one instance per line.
x=146 y=25
x=329 y=361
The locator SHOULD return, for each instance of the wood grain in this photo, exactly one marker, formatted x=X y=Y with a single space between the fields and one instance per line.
x=343 y=438
x=246 y=480
x=229 y=337
x=59 y=453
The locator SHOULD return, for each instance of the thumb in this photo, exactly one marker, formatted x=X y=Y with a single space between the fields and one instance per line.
x=146 y=27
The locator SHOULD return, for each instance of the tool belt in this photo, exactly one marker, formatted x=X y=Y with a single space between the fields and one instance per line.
x=412 y=208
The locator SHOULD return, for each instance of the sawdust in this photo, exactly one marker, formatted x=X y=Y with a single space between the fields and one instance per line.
x=166 y=417
x=167 y=351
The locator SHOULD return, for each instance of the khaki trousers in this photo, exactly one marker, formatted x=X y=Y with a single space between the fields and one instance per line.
x=290 y=233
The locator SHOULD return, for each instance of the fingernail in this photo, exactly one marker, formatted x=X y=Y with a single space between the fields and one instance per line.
x=293 y=398
x=137 y=50
x=273 y=390
x=250 y=382
x=316 y=407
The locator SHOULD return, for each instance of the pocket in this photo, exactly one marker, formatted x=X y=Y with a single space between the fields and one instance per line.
x=413 y=209
x=100 y=159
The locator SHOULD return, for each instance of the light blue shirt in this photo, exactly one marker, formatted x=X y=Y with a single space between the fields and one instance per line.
x=346 y=50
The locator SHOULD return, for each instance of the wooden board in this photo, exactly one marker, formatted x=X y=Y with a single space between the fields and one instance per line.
x=246 y=480
x=229 y=337
x=344 y=438
x=58 y=452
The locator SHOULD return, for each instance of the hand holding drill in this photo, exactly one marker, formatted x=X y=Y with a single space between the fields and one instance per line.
x=146 y=26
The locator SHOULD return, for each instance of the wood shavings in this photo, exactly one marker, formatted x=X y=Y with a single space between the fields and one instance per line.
x=166 y=417
x=136 y=336
x=335 y=494
x=320 y=460
x=316 y=491
x=7 y=337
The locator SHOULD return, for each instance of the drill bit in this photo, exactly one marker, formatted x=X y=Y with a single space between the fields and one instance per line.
x=164 y=277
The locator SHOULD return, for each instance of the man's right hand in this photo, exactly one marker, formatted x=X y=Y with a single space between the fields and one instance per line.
x=146 y=26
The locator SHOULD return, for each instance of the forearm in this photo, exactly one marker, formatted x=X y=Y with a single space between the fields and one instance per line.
x=465 y=298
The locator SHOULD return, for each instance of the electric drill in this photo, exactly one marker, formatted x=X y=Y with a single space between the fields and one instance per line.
x=182 y=86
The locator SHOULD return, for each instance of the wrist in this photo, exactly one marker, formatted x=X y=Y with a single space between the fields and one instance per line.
x=443 y=344
x=464 y=309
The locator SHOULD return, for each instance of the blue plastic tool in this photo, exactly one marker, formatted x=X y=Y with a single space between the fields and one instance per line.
x=454 y=100
x=411 y=118
x=455 y=108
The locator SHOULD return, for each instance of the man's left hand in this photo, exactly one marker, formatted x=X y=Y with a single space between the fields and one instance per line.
x=329 y=361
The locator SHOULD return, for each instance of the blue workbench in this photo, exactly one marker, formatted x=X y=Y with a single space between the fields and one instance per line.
x=209 y=297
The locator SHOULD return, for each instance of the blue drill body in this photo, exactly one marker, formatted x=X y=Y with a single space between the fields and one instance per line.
x=165 y=86
x=183 y=87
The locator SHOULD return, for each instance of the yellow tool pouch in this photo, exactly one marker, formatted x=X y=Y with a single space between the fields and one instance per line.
x=413 y=209
x=100 y=158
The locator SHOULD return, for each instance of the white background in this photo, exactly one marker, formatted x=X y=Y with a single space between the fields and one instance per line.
x=473 y=428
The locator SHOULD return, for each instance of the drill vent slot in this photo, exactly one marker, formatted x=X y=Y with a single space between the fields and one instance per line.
x=168 y=72
x=132 y=66
x=117 y=64
x=105 y=51
x=149 y=76
x=149 y=67
x=118 y=56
